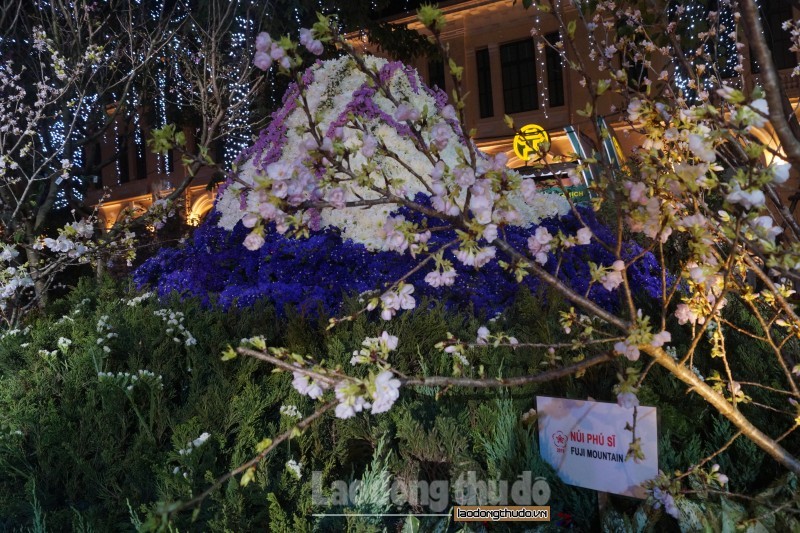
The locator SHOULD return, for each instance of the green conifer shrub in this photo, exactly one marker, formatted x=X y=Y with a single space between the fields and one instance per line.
x=86 y=447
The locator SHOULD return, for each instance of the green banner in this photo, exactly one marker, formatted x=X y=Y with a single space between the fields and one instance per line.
x=579 y=194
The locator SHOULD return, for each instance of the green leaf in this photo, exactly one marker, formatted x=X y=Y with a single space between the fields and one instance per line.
x=432 y=17
x=571 y=27
x=248 y=476
x=229 y=353
x=263 y=445
x=455 y=70
x=411 y=525
x=586 y=111
x=258 y=343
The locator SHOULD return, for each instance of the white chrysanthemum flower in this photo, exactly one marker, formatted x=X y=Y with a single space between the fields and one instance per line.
x=63 y=344
x=199 y=441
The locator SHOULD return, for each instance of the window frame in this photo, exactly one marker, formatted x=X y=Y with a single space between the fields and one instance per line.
x=520 y=84
x=483 y=72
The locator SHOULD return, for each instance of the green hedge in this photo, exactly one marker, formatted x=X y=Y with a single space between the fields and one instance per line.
x=87 y=451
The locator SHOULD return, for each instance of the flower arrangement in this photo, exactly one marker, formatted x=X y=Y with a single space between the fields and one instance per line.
x=365 y=129
x=362 y=150
x=319 y=183
x=320 y=270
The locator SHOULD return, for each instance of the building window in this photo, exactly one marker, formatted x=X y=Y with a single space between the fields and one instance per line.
x=141 y=154
x=773 y=14
x=436 y=73
x=122 y=159
x=484 y=73
x=519 y=77
x=97 y=166
x=555 y=71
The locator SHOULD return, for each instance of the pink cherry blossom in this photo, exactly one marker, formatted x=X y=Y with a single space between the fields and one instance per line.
x=627 y=400
x=262 y=60
x=249 y=220
x=253 y=241
x=539 y=244
x=584 y=236
x=630 y=351
x=440 y=279
x=684 y=314
x=387 y=391
x=336 y=197
x=263 y=41
x=660 y=339
x=307 y=386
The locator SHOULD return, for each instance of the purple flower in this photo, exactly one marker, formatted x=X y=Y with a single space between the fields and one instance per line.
x=262 y=61
x=263 y=41
x=405 y=112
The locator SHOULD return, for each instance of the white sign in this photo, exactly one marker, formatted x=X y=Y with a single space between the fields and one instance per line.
x=586 y=442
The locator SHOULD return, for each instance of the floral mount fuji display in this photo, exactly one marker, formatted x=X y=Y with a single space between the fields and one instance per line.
x=351 y=187
x=377 y=161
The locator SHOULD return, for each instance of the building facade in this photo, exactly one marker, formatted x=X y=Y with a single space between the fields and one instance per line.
x=137 y=177
x=505 y=73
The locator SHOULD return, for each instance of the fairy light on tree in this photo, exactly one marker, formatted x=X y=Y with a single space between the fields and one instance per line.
x=732 y=59
x=705 y=32
x=238 y=138
x=161 y=92
x=541 y=69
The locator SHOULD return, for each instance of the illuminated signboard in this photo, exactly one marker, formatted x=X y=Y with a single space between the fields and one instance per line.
x=528 y=140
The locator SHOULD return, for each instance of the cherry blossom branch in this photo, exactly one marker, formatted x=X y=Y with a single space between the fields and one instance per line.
x=561 y=288
x=277 y=441
x=725 y=408
x=280 y=363
x=772 y=82
x=493 y=383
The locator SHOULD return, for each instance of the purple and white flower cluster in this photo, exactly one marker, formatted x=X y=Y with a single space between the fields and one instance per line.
x=361 y=155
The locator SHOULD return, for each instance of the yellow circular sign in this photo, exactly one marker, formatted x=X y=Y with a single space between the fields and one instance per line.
x=527 y=141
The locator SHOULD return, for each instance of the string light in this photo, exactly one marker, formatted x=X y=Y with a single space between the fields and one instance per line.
x=161 y=93
x=544 y=90
x=238 y=138
x=137 y=129
x=117 y=169
x=705 y=37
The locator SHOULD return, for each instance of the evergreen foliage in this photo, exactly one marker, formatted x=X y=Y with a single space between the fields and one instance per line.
x=87 y=452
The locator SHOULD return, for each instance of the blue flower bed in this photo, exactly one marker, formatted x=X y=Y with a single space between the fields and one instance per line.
x=318 y=272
